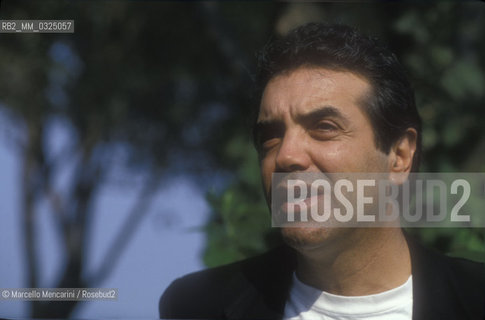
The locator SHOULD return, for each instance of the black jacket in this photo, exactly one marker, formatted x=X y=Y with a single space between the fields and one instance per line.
x=257 y=288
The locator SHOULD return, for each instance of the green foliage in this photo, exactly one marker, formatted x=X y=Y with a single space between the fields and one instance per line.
x=240 y=228
x=240 y=223
x=464 y=243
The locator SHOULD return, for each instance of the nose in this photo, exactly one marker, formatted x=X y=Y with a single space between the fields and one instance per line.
x=292 y=155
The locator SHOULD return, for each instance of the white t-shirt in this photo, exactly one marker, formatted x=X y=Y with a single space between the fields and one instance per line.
x=307 y=303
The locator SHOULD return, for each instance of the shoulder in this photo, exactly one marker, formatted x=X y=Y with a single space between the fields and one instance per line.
x=463 y=286
x=198 y=293
x=461 y=272
x=446 y=287
x=466 y=276
x=206 y=293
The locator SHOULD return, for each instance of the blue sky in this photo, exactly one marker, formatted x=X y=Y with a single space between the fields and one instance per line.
x=166 y=245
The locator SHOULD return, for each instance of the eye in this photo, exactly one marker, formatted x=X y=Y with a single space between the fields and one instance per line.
x=268 y=141
x=325 y=126
x=268 y=135
x=324 y=130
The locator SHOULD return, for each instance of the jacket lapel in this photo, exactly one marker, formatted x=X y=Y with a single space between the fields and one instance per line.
x=439 y=290
x=428 y=291
x=264 y=287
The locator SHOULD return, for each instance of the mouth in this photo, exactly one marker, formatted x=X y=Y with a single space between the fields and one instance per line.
x=307 y=202
x=297 y=201
x=298 y=196
x=304 y=184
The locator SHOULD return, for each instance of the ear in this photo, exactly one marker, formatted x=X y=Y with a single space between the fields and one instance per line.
x=402 y=153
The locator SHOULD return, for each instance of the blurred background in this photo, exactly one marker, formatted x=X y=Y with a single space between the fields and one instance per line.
x=125 y=151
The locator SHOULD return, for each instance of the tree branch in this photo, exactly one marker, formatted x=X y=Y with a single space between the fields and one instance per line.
x=128 y=229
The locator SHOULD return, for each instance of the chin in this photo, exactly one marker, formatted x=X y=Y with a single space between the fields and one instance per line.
x=306 y=238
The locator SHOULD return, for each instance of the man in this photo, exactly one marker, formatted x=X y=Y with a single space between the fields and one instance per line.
x=334 y=101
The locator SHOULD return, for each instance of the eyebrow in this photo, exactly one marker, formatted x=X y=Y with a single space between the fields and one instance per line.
x=326 y=111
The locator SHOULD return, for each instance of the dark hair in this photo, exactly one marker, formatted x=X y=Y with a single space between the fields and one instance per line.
x=390 y=106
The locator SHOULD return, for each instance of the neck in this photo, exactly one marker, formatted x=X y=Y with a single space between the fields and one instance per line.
x=369 y=262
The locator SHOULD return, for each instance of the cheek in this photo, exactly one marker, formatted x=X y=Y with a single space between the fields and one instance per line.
x=344 y=156
x=333 y=157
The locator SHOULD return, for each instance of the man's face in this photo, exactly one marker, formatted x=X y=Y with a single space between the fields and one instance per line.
x=311 y=120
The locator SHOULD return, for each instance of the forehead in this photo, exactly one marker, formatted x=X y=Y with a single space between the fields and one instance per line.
x=304 y=89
